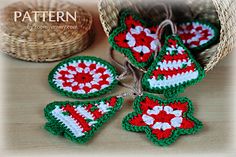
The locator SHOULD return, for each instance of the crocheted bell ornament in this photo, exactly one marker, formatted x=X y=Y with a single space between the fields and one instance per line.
x=197 y=35
x=173 y=70
x=135 y=39
x=78 y=121
x=83 y=77
x=163 y=121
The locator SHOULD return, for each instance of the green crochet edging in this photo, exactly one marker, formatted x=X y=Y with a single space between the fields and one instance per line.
x=175 y=133
x=171 y=91
x=211 y=42
x=83 y=96
x=55 y=127
x=122 y=27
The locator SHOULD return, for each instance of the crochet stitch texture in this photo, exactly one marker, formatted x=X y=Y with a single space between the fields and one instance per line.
x=135 y=39
x=83 y=77
x=173 y=70
x=78 y=121
x=163 y=121
x=197 y=35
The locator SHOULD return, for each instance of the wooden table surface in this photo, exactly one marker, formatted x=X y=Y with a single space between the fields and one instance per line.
x=25 y=93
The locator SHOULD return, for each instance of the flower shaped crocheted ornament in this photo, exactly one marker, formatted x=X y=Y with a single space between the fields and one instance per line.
x=173 y=70
x=163 y=121
x=198 y=35
x=78 y=121
x=134 y=39
x=83 y=77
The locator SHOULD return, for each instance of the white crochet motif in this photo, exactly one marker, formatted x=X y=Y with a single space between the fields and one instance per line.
x=168 y=65
x=150 y=120
x=74 y=125
x=96 y=77
x=198 y=33
x=68 y=121
x=174 y=80
x=141 y=48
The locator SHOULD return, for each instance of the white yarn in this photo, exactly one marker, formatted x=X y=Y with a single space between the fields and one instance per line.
x=174 y=80
x=68 y=121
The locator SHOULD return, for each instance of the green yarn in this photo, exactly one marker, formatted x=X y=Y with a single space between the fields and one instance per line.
x=172 y=91
x=56 y=127
x=121 y=28
x=88 y=95
x=175 y=133
x=211 y=42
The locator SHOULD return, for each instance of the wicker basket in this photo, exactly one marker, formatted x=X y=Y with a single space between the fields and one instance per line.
x=219 y=12
x=41 y=41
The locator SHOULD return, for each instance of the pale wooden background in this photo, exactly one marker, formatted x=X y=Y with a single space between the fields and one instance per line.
x=26 y=93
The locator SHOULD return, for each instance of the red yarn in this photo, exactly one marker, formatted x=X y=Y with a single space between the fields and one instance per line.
x=144 y=38
x=173 y=72
x=71 y=75
x=79 y=119
x=137 y=121
x=147 y=104
x=131 y=23
x=193 y=35
x=163 y=116
x=121 y=41
x=160 y=134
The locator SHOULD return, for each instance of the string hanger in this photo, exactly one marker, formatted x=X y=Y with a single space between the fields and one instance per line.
x=162 y=26
x=129 y=68
x=136 y=89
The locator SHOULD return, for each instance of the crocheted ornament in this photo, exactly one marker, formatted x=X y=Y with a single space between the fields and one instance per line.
x=135 y=39
x=173 y=70
x=198 y=35
x=83 y=77
x=78 y=121
x=163 y=121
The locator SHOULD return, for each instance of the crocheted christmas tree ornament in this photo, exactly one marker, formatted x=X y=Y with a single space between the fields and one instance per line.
x=173 y=70
x=197 y=35
x=135 y=39
x=83 y=77
x=78 y=121
x=163 y=121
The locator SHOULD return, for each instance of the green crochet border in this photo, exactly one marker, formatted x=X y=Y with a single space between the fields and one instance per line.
x=122 y=27
x=175 y=133
x=83 y=96
x=55 y=127
x=171 y=91
x=211 y=42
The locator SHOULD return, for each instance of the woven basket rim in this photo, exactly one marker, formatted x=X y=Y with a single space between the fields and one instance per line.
x=218 y=50
x=51 y=48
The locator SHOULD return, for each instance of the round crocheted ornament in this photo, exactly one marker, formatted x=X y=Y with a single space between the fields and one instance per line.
x=163 y=121
x=173 y=70
x=197 y=35
x=78 y=121
x=83 y=77
x=135 y=39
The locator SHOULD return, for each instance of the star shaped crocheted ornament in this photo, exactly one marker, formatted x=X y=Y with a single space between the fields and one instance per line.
x=78 y=121
x=83 y=77
x=135 y=39
x=173 y=70
x=197 y=35
x=163 y=121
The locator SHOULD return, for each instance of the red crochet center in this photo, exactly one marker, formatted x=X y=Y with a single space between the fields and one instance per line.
x=140 y=39
x=191 y=32
x=83 y=77
x=162 y=116
x=80 y=119
x=177 y=57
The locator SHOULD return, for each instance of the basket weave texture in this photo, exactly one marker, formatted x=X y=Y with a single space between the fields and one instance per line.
x=42 y=41
x=218 y=12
